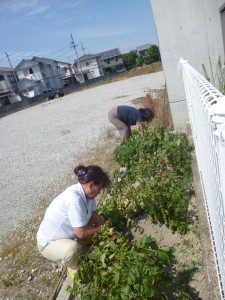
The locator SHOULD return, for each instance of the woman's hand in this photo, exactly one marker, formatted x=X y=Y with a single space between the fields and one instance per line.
x=97 y=219
x=86 y=231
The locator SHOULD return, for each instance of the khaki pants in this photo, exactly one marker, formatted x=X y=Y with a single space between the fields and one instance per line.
x=124 y=130
x=64 y=250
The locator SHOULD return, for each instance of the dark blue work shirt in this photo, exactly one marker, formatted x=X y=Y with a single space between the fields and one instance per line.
x=129 y=115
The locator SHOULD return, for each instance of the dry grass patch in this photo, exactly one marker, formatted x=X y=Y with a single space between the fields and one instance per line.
x=156 y=100
x=155 y=67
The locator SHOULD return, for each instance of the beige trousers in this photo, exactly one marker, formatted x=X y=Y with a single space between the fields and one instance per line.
x=64 y=250
x=124 y=130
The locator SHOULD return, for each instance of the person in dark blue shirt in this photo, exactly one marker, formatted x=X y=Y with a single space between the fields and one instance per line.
x=123 y=117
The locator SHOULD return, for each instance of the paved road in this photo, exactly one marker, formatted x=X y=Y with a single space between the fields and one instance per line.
x=38 y=144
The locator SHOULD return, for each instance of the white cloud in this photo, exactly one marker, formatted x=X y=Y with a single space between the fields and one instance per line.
x=22 y=55
x=58 y=18
x=16 y=5
x=38 y=10
x=72 y=3
x=33 y=7
x=41 y=53
x=106 y=32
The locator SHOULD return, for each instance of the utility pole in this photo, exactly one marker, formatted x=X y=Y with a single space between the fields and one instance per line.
x=84 y=48
x=78 y=62
x=13 y=71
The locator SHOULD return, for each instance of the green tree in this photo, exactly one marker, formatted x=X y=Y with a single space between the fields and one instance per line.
x=148 y=60
x=111 y=69
x=153 y=54
x=140 y=60
x=129 y=59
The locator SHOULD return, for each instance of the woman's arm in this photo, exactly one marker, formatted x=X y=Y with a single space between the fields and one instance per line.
x=89 y=231
x=97 y=219
x=86 y=231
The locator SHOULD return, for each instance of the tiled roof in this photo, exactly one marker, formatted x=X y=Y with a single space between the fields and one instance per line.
x=25 y=63
x=143 y=47
x=5 y=69
x=43 y=60
x=88 y=56
x=110 y=53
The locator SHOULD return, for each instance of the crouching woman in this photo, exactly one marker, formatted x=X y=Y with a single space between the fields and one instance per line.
x=67 y=217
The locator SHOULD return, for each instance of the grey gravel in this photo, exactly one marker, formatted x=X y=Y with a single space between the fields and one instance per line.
x=39 y=144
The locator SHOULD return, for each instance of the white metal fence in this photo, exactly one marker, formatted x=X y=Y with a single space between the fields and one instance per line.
x=206 y=107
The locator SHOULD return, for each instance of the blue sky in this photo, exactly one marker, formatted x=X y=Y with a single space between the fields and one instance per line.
x=43 y=27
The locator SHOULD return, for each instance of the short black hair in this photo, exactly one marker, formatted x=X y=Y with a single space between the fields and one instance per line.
x=146 y=114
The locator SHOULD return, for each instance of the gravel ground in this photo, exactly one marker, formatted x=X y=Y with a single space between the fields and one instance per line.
x=39 y=144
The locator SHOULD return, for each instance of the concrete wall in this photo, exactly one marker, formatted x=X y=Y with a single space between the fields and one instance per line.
x=16 y=106
x=190 y=29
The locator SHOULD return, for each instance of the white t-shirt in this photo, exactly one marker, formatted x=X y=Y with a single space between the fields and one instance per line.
x=70 y=209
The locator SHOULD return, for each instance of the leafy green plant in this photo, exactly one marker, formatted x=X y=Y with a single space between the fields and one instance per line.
x=153 y=55
x=111 y=69
x=155 y=178
x=117 y=268
x=217 y=77
x=140 y=60
x=129 y=59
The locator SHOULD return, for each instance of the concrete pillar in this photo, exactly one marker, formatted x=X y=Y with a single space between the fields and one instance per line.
x=192 y=30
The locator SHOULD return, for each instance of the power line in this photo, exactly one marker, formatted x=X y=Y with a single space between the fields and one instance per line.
x=63 y=57
x=13 y=72
x=3 y=59
x=33 y=54
x=58 y=50
x=62 y=54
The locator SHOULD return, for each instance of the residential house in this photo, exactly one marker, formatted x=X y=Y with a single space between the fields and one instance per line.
x=143 y=50
x=8 y=86
x=68 y=69
x=89 y=65
x=38 y=75
x=111 y=58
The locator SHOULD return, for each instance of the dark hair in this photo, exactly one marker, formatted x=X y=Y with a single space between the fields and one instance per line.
x=146 y=114
x=91 y=173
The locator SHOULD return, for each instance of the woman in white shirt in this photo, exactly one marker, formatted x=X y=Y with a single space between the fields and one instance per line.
x=68 y=215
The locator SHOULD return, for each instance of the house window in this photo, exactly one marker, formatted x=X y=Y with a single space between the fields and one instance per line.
x=108 y=61
x=31 y=71
x=11 y=78
x=87 y=63
x=116 y=58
